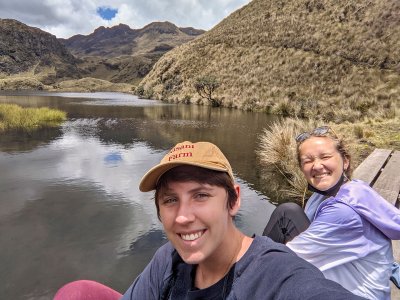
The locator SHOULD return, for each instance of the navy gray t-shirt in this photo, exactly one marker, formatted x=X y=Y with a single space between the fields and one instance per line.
x=267 y=270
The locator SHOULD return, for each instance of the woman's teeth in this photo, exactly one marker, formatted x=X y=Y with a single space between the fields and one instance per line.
x=191 y=236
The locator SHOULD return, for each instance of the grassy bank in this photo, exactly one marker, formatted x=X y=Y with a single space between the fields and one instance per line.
x=277 y=150
x=14 y=117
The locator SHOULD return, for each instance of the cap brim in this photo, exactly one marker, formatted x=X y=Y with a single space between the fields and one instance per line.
x=150 y=179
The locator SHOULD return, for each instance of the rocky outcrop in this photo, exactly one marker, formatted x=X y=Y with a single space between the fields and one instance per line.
x=28 y=49
x=122 y=40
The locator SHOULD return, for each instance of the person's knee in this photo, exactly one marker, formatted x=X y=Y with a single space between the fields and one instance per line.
x=289 y=208
x=86 y=290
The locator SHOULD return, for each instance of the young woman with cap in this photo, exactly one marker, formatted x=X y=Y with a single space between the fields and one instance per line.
x=346 y=228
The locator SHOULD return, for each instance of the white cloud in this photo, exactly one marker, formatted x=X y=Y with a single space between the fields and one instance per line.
x=65 y=18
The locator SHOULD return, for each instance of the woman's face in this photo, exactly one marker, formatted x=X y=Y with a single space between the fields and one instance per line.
x=321 y=163
x=197 y=220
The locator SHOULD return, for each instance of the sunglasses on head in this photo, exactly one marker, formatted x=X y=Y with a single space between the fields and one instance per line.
x=319 y=131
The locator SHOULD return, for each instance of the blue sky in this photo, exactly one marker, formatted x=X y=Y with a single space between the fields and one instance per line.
x=65 y=18
x=107 y=13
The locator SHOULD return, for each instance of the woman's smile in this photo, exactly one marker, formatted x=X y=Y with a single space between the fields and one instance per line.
x=191 y=236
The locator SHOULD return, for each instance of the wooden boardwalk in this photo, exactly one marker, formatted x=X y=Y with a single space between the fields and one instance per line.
x=381 y=170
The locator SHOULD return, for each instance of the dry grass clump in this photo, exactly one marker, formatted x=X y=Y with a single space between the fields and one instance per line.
x=277 y=151
x=14 y=117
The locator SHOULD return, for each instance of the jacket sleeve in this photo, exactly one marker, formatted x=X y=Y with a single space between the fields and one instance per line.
x=149 y=284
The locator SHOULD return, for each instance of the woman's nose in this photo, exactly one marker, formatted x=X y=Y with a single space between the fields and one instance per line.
x=317 y=164
x=185 y=214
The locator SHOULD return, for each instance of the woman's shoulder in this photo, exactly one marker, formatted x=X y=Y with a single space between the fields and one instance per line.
x=356 y=191
x=356 y=185
x=164 y=256
x=264 y=250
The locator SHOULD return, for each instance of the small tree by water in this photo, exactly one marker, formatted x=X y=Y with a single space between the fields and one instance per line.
x=205 y=86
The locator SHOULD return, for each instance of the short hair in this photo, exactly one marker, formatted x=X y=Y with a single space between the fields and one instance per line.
x=197 y=174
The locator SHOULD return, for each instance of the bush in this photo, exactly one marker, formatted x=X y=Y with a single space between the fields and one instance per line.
x=205 y=86
x=139 y=91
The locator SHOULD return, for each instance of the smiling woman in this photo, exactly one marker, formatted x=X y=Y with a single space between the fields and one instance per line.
x=106 y=13
x=349 y=237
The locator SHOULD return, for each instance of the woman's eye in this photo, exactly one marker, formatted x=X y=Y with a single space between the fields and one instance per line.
x=326 y=157
x=167 y=201
x=201 y=196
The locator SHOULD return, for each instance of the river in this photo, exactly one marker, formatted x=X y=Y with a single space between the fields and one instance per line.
x=70 y=207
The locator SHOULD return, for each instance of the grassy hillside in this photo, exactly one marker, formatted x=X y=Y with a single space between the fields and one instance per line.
x=336 y=59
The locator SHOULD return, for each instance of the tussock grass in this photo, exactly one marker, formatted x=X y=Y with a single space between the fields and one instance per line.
x=277 y=151
x=14 y=117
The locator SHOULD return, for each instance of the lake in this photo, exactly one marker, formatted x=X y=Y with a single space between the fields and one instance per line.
x=70 y=207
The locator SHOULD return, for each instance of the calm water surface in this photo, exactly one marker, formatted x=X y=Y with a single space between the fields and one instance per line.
x=70 y=207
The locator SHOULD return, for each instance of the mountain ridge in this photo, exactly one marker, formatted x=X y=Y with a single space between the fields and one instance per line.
x=106 y=41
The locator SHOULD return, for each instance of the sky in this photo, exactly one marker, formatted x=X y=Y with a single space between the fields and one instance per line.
x=65 y=18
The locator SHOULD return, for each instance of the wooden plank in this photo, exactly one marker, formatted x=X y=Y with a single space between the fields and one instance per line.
x=369 y=169
x=388 y=182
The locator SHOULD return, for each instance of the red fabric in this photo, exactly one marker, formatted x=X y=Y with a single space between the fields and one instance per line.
x=86 y=290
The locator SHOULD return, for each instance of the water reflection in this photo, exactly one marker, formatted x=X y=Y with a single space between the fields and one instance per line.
x=26 y=141
x=70 y=207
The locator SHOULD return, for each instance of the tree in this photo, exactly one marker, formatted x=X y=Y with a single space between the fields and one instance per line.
x=205 y=86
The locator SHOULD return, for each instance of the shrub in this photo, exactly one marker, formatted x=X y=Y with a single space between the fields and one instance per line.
x=139 y=91
x=149 y=93
x=205 y=86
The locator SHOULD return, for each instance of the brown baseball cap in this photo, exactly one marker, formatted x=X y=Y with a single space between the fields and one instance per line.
x=201 y=154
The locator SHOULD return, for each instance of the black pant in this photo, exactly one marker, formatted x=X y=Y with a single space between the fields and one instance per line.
x=287 y=221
